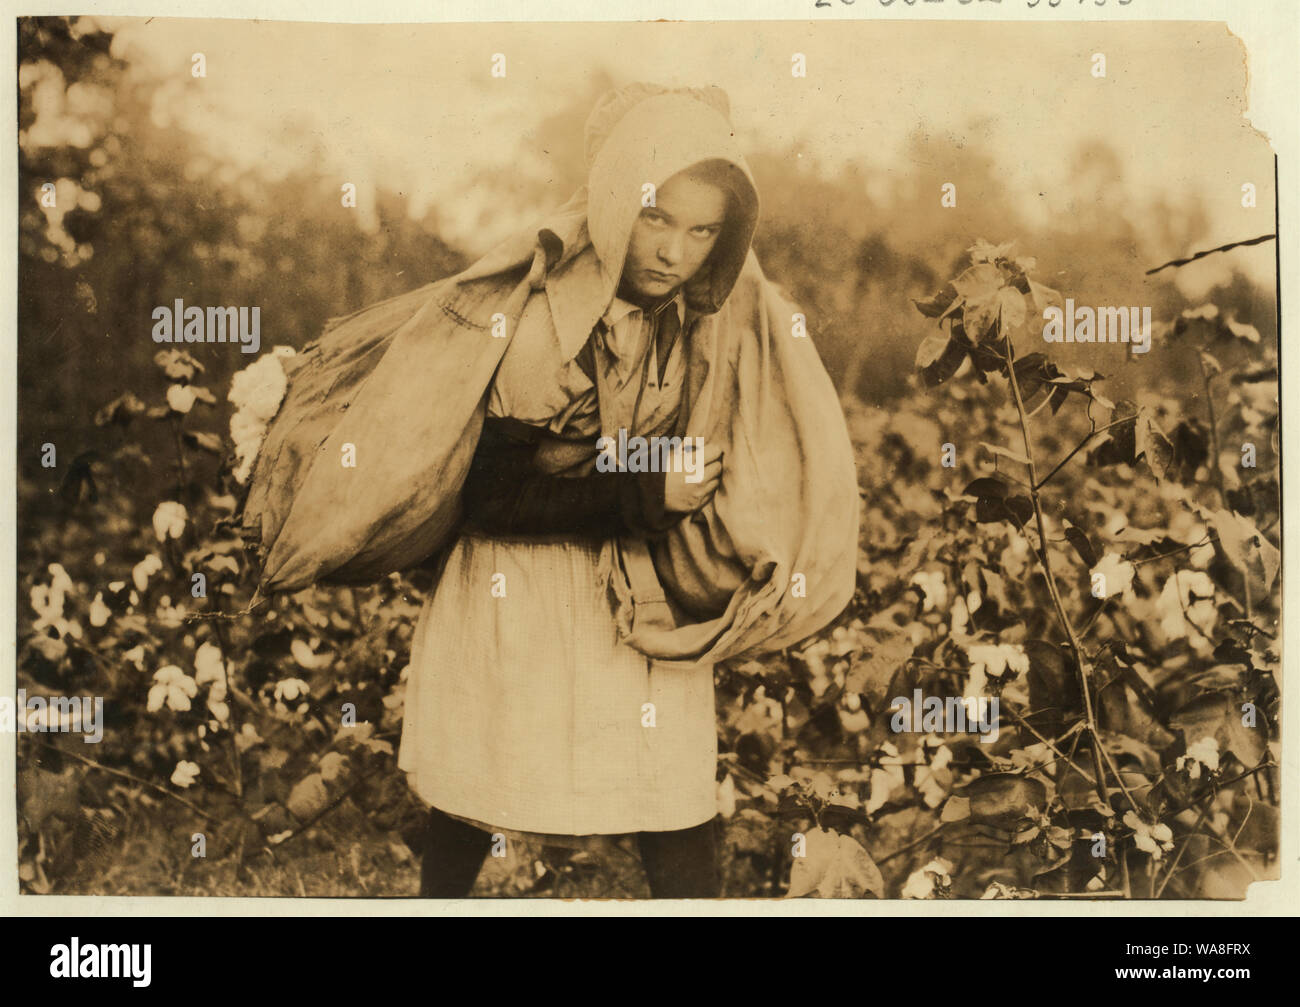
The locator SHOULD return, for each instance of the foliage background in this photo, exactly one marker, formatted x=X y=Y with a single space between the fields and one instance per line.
x=151 y=208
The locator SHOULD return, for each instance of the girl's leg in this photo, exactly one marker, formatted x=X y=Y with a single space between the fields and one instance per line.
x=453 y=854
x=682 y=864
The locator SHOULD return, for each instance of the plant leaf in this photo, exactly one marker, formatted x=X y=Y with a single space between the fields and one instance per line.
x=1152 y=445
x=1001 y=799
x=1245 y=546
x=1043 y=296
x=938 y=358
x=873 y=674
x=1218 y=715
x=1011 y=308
x=1076 y=537
x=987 y=487
x=835 y=867
x=1002 y=452
x=940 y=304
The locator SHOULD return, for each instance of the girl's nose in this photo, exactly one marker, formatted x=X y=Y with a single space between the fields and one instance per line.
x=670 y=252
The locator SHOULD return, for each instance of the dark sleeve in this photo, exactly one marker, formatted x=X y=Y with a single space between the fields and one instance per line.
x=505 y=494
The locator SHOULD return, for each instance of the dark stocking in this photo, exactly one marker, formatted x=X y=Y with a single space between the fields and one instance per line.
x=453 y=854
x=682 y=864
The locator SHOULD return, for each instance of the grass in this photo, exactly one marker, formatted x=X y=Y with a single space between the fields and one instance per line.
x=345 y=855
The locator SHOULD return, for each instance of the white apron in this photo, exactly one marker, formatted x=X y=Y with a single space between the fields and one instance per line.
x=524 y=714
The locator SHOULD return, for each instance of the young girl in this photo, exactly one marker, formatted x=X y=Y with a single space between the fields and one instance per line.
x=525 y=712
x=560 y=683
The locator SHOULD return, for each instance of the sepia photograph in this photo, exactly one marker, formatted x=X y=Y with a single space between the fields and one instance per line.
x=645 y=460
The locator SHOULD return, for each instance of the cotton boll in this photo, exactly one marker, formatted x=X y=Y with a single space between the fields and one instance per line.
x=99 y=612
x=180 y=398
x=169 y=521
x=185 y=773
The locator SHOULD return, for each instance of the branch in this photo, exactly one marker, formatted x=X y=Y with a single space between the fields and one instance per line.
x=1115 y=772
x=1174 y=552
x=1187 y=841
x=1215 y=467
x=1210 y=251
x=911 y=845
x=1221 y=785
x=1044 y=558
x=326 y=810
x=1100 y=430
x=1092 y=619
x=127 y=776
x=182 y=476
x=1069 y=759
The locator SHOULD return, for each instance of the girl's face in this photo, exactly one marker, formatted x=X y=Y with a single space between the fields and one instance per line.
x=671 y=239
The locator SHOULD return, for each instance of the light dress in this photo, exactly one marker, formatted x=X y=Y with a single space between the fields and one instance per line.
x=524 y=714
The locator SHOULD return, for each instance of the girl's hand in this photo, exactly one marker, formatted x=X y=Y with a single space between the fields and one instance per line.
x=685 y=497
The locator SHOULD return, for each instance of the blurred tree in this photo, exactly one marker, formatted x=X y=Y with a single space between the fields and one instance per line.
x=143 y=216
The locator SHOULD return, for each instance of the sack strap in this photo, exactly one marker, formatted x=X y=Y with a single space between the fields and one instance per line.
x=650 y=609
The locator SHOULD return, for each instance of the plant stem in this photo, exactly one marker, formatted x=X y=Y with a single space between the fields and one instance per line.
x=1069 y=759
x=1215 y=470
x=911 y=844
x=182 y=476
x=1115 y=772
x=326 y=810
x=1083 y=630
x=1173 y=867
x=127 y=776
x=1079 y=447
x=1174 y=552
x=232 y=728
x=1044 y=559
x=1228 y=845
x=1263 y=767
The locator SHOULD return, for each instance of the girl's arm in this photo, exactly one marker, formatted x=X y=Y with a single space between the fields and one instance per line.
x=504 y=493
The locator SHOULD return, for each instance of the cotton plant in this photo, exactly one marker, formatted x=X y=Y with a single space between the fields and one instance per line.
x=169 y=519
x=181 y=398
x=256 y=393
x=1201 y=757
x=934 y=589
x=99 y=611
x=172 y=688
x=185 y=774
x=48 y=601
x=291 y=690
x=999 y=661
x=1187 y=609
x=933 y=779
x=210 y=670
x=1112 y=577
x=142 y=571
x=1156 y=840
x=886 y=778
x=933 y=881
